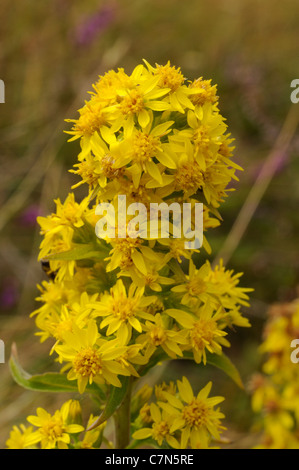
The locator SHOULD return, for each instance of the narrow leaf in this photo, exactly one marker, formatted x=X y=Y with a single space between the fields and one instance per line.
x=115 y=399
x=226 y=365
x=83 y=251
x=48 y=382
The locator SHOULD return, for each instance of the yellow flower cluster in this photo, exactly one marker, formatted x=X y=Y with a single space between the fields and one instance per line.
x=114 y=307
x=62 y=430
x=180 y=419
x=275 y=390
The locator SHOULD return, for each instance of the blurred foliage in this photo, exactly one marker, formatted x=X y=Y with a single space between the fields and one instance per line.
x=52 y=51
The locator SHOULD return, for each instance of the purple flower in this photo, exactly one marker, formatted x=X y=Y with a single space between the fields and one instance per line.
x=93 y=25
x=8 y=294
x=28 y=216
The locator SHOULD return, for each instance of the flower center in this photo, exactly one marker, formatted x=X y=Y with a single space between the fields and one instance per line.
x=202 y=333
x=59 y=246
x=150 y=278
x=160 y=430
x=125 y=247
x=157 y=335
x=144 y=147
x=91 y=120
x=132 y=103
x=189 y=177
x=52 y=429
x=177 y=248
x=123 y=307
x=107 y=167
x=62 y=327
x=206 y=144
x=89 y=172
x=88 y=363
x=170 y=77
x=207 y=92
x=196 y=286
x=196 y=413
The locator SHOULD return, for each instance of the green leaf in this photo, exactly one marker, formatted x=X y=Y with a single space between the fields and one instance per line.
x=84 y=234
x=48 y=382
x=82 y=251
x=134 y=444
x=220 y=361
x=226 y=365
x=116 y=396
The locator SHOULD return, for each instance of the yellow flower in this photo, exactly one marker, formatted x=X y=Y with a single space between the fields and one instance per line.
x=205 y=330
x=138 y=100
x=151 y=279
x=93 y=438
x=60 y=320
x=189 y=175
x=176 y=249
x=91 y=359
x=93 y=114
x=58 y=230
x=152 y=137
x=203 y=92
x=196 y=290
x=160 y=430
x=194 y=416
x=169 y=388
x=145 y=414
x=172 y=78
x=21 y=437
x=126 y=254
x=217 y=286
x=63 y=269
x=70 y=214
x=157 y=335
x=97 y=169
x=225 y=283
x=205 y=131
x=275 y=395
x=121 y=310
x=54 y=431
x=53 y=295
x=92 y=117
x=139 y=148
x=132 y=356
x=75 y=412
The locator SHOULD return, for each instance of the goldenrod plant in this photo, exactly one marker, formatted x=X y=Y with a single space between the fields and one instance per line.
x=114 y=307
x=275 y=388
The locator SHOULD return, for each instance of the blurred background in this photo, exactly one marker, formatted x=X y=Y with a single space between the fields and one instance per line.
x=51 y=52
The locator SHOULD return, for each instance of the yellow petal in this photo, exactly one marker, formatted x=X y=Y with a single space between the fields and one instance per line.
x=139 y=262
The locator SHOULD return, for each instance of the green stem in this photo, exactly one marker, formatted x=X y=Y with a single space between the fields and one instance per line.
x=122 y=420
x=134 y=444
